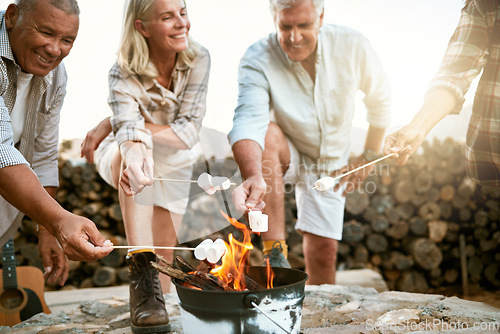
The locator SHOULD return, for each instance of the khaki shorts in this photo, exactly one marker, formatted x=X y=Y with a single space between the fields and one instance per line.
x=175 y=164
x=319 y=213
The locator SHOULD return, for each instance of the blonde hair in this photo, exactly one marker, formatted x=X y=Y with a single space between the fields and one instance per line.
x=133 y=52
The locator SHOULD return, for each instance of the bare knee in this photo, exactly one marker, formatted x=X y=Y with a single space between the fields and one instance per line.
x=320 y=250
x=276 y=150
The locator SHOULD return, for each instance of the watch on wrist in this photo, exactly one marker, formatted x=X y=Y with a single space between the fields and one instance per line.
x=370 y=155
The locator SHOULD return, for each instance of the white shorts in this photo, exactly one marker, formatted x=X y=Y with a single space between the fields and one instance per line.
x=177 y=164
x=319 y=213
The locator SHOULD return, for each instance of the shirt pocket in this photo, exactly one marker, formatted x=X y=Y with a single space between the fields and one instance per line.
x=340 y=107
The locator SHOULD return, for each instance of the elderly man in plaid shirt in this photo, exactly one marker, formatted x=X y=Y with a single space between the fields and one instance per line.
x=35 y=36
x=474 y=46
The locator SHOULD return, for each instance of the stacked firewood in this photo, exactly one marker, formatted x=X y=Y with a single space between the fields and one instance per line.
x=406 y=222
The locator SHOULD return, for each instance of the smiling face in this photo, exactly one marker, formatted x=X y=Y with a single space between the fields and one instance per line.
x=298 y=29
x=167 y=30
x=41 y=37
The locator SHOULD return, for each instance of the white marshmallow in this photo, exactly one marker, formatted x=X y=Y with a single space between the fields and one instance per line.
x=325 y=183
x=261 y=224
x=205 y=183
x=216 y=251
x=220 y=183
x=253 y=217
x=200 y=252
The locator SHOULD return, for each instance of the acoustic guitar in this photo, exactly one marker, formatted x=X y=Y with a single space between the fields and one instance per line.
x=20 y=297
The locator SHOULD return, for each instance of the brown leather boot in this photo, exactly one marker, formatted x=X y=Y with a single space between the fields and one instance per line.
x=147 y=307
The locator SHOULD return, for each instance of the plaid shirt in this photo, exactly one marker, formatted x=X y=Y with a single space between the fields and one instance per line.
x=39 y=141
x=475 y=46
x=136 y=99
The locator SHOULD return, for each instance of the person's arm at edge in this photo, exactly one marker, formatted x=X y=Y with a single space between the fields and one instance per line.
x=438 y=103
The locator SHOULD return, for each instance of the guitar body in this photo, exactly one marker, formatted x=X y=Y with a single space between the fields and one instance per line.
x=22 y=302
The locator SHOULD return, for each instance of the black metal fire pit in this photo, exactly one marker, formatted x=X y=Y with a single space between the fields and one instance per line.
x=276 y=310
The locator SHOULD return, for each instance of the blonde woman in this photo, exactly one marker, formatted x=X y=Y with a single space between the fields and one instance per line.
x=157 y=92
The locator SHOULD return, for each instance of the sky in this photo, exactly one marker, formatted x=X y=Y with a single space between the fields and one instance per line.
x=409 y=36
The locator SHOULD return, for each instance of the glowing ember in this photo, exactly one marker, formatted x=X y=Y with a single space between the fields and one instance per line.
x=235 y=260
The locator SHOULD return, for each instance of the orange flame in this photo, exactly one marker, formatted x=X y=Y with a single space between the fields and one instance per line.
x=235 y=260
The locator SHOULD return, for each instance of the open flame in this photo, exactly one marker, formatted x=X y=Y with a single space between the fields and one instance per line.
x=235 y=260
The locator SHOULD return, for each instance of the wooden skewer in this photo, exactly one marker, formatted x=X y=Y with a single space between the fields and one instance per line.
x=174 y=180
x=361 y=167
x=183 y=181
x=157 y=247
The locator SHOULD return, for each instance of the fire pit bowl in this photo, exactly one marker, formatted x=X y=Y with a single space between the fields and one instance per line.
x=234 y=312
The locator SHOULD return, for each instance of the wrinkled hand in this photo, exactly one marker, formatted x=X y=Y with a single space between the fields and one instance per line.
x=80 y=239
x=352 y=181
x=404 y=142
x=55 y=263
x=94 y=138
x=137 y=176
x=249 y=195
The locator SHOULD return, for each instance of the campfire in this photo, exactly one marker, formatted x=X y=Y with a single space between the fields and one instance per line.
x=232 y=297
x=229 y=274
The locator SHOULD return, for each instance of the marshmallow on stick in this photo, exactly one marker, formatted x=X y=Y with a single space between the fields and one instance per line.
x=209 y=250
x=258 y=221
x=328 y=182
x=210 y=184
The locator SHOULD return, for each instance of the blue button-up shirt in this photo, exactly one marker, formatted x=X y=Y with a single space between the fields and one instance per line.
x=315 y=116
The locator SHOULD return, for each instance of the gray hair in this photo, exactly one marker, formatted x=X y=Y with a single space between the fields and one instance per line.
x=68 y=6
x=277 y=5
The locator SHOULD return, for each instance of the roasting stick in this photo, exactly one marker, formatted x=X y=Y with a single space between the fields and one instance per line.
x=157 y=247
x=327 y=182
x=182 y=181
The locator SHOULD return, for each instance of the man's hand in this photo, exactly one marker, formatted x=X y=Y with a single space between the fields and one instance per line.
x=355 y=180
x=94 y=138
x=249 y=195
x=80 y=239
x=54 y=260
x=404 y=142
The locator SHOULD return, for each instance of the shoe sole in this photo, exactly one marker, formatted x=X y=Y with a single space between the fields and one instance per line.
x=150 y=329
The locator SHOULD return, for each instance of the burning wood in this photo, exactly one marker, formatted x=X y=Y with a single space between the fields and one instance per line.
x=228 y=274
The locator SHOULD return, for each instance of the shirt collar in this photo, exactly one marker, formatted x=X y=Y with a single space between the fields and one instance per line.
x=180 y=65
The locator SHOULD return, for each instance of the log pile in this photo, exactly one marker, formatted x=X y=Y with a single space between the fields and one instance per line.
x=406 y=222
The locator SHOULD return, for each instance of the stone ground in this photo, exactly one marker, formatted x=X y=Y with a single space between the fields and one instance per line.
x=347 y=307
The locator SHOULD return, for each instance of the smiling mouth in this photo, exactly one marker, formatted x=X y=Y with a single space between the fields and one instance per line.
x=43 y=60
x=181 y=36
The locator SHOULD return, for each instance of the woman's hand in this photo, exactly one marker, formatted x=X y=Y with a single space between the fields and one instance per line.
x=94 y=138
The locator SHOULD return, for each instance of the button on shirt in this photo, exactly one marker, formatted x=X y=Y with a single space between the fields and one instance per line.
x=315 y=116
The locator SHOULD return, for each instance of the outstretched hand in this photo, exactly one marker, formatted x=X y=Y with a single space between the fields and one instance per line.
x=404 y=142
x=80 y=239
x=250 y=195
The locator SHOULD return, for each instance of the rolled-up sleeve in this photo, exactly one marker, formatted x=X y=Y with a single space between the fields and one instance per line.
x=127 y=122
x=375 y=84
x=251 y=116
x=192 y=108
x=465 y=56
x=9 y=155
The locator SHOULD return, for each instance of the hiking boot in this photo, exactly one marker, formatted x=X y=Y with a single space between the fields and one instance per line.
x=147 y=306
x=276 y=257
